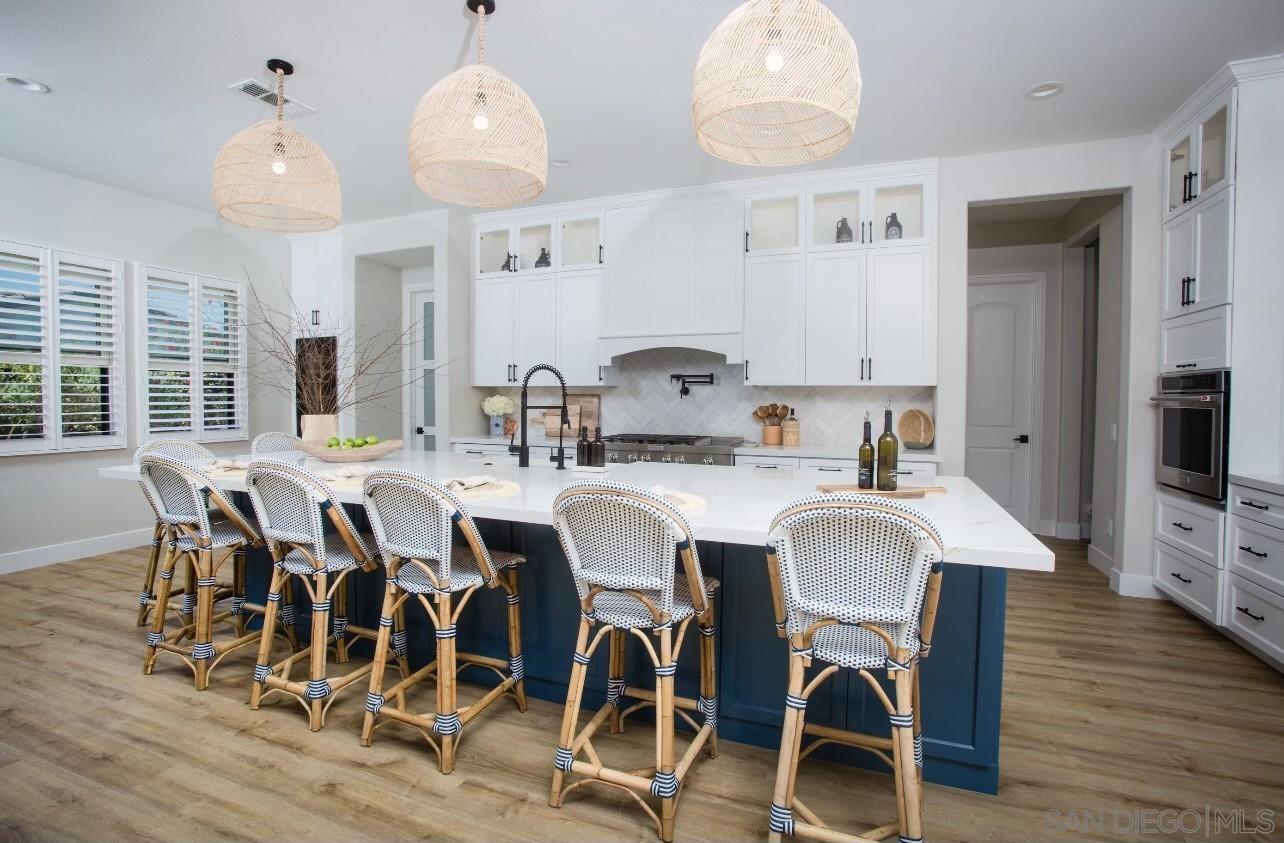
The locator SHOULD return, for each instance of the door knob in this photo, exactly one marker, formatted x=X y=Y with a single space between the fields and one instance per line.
x=419 y=430
x=1024 y=438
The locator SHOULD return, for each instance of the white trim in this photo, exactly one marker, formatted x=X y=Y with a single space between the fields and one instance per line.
x=1040 y=281
x=50 y=554
x=1098 y=559
x=1069 y=530
x=1134 y=585
x=1045 y=527
x=441 y=395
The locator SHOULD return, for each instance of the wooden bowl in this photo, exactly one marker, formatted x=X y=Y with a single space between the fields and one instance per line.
x=916 y=430
x=366 y=453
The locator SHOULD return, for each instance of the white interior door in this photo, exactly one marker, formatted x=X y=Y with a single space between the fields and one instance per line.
x=423 y=362
x=1000 y=392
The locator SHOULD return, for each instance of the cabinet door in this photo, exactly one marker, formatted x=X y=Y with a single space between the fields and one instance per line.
x=1179 y=263
x=1179 y=163
x=713 y=300
x=627 y=276
x=1212 y=284
x=1215 y=129
x=900 y=318
x=1195 y=340
x=494 y=305
x=579 y=242
x=835 y=294
x=773 y=334
x=579 y=298
x=897 y=214
x=533 y=244
x=773 y=224
x=536 y=322
x=492 y=250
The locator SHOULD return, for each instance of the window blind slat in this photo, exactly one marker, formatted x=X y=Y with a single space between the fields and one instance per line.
x=23 y=375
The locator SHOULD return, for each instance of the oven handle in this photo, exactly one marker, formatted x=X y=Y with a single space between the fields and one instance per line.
x=1207 y=400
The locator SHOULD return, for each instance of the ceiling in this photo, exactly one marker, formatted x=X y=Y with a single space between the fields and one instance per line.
x=1046 y=209
x=140 y=97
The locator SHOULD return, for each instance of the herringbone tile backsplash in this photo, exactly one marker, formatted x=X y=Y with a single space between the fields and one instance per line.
x=644 y=400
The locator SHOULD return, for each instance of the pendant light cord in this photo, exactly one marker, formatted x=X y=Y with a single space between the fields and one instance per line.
x=481 y=34
x=280 y=95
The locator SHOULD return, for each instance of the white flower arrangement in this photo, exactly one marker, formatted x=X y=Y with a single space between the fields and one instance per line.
x=498 y=405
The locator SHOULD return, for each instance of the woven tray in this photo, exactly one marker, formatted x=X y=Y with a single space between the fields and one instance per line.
x=363 y=454
x=916 y=429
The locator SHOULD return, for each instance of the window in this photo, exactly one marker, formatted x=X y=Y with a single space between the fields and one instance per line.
x=193 y=356
x=62 y=373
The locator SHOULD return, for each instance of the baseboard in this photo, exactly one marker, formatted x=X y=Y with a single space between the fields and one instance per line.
x=1134 y=585
x=1067 y=530
x=50 y=554
x=1085 y=530
x=1098 y=559
x=1045 y=527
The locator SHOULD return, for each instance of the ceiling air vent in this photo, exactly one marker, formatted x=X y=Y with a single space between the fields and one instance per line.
x=257 y=90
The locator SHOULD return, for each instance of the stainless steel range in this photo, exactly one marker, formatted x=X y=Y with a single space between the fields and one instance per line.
x=651 y=447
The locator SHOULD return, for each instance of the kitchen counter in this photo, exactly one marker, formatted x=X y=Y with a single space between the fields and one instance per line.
x=833 y=451
x=1273 y=483
x=962 y=682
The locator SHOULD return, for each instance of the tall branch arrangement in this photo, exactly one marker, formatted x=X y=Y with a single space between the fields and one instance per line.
x=325 y=377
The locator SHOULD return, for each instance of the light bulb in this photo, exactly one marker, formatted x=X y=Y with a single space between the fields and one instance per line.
x=774 y=61
x=481 y=122
x=278 y=167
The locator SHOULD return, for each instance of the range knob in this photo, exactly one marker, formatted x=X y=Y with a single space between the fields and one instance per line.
x=646 y=458
x=681 y=459
x=708 y=460
x=633 y=457
x=613 y=458
x=666 y=458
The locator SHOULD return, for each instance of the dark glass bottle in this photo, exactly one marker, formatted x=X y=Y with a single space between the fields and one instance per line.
x=597 y=449
x=887 y=451
x=582 y=456
x=865 y=479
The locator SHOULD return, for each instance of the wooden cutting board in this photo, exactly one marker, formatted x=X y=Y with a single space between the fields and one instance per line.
x=905 y=493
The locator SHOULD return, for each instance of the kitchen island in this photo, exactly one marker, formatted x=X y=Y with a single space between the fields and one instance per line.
x=731 y=512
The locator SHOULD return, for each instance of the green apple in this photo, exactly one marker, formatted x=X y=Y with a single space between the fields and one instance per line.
x=372 y=440
x=333 y=442
x=349 y=442
x=346 y=446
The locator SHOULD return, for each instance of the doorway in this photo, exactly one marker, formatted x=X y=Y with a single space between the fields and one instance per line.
x=423 y=368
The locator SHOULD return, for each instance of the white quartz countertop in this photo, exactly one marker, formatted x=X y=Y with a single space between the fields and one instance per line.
x=1262 y=482
x=833 y=451
x=739 y=503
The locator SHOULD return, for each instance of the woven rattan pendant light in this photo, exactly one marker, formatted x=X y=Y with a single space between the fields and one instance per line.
x=777 y=83
x=476 y=139
x=273 y=178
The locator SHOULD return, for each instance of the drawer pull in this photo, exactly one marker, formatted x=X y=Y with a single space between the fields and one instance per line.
x=1257 y=553
x=1181 y=526
x=1255 y=505
x=824 y=468
x=1180 y=578
x=472 y=452
x=903 y=472
x=1250 y=614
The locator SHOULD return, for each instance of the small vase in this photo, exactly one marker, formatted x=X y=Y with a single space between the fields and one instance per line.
x=544 y=259
x=843 y=234
x=319 y=428
x=497 y=427
x=892 y=227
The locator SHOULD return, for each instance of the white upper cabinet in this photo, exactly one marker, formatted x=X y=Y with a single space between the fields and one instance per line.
x=1180 y=155
x=525 y=249
x=773 y=224
x=835 y=319
x=901 y=323
x=492 y=251
x=835 y=218
x=1179 y=264
x=1200 y=156
x=579 y=241
x=494 y=331
x=774 y=320
x=897 y=211
x=579 y=302
x=536 y=323
x=1198 y=256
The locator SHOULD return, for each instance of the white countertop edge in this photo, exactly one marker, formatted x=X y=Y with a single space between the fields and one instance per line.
x=838 y=451
x=1273 y=483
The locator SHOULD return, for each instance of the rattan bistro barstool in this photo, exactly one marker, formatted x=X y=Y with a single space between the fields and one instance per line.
x=179 y=449
x=182 y=495
x=855 y=582
x=622 y=543
x=414 y=522
x=274 y=445
x=293 y=506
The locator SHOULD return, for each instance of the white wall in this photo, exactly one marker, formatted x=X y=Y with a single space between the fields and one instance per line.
x=54 y=507
x=378 y=321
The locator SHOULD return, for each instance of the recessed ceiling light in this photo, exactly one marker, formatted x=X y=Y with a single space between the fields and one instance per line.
x=1043 y=90
x=25 y=84
x=561 y=162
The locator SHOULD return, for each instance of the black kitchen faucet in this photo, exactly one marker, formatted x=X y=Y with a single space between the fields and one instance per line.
x=524 y=450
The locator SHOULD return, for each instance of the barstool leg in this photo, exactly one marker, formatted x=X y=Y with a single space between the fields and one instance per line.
x=149 y=580
x=400 y=647
x=318 y=687
x=374 y=699
x=446 y=724
x=340 y=622
x=188 y=608
x=203 y=648
x=615 y=678
x=664 y=723
x=782 y=799
x=918 y=731
x=709 y=681
x=907 y=771
x=263 y=667
x=571 y=715
x=288 y=613
x=238 y=591
x=516 y=664
x=157 y=632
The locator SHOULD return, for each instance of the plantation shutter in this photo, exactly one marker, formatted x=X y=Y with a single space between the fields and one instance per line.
x=222 y=340
x=167 y=300
x=24 y=349
x=90 y=372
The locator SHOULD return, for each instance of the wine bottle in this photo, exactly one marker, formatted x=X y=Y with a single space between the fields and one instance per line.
x=597 y=450
x=865 y=479
x=582 y=453
x=887 y=448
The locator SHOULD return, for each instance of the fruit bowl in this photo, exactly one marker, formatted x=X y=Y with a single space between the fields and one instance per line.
x=366 y=453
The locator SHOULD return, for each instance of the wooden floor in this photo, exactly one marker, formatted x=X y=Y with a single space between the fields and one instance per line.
x=1111 y=705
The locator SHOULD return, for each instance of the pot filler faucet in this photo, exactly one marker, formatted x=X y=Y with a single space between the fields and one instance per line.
x=523 y=450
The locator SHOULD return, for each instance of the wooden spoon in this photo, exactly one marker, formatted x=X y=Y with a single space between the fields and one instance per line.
x=760 y=415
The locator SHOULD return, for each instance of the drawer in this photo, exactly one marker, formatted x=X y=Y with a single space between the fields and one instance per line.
x=917 y=472
x=1256 y=615
x=767 y=462
x=1188 y=581
x=1256 y=552
x=1196 y=340
x=1265 y=507
x=477 y=449
x=1189 y=526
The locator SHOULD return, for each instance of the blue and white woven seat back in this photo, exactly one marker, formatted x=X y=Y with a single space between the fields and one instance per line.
x=620 y=536
x=177 y=496
x=411 y=517
x=865 y=562
x=288 y=504
x=179 y=449
x=281 y=446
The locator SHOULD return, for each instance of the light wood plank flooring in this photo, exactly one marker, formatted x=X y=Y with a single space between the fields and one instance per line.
x=1110 y=704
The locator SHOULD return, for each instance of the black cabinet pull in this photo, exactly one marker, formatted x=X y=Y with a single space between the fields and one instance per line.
x=1191 y=188
x=824 y=468
x=1255 y=505
x=746 y=368
x=601 y=253
x=1185 y=188
x=1180 y=578
x=1181 y=526
x=862 y=368
x=746 y=241
x=1256 y=553
x=1187 y=365
x=599 y=373
x=871 y=360
x=1250 y=614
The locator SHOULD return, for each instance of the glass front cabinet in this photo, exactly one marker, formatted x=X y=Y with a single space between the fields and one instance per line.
x=1199 y=158
x=526 y=248
x=870 y=214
